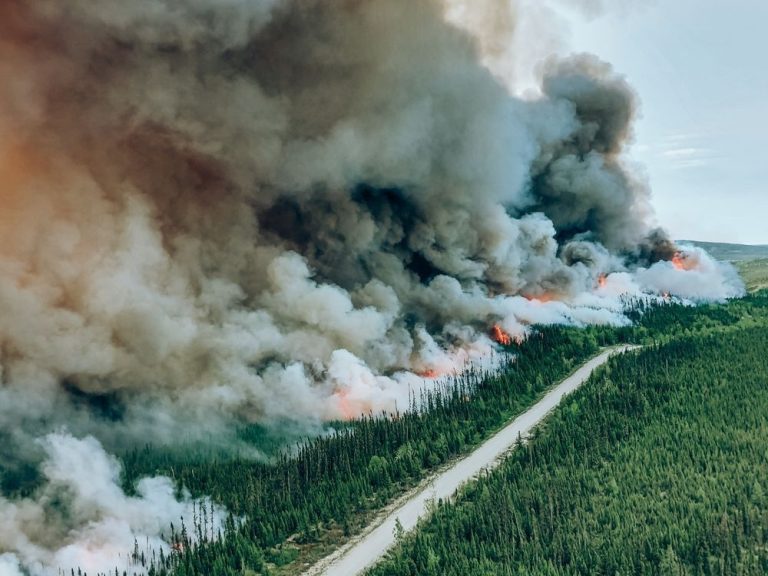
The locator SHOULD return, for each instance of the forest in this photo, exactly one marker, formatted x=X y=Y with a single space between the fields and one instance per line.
x=311 y=496
x=657 y=465
x=315 y=495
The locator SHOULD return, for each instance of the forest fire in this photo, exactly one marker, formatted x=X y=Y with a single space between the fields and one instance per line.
x=500 y=335
x=542 y=298
x=345 y=406
x=184 y=230
x=678 y=261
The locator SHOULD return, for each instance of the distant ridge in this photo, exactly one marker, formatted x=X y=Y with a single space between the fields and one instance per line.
x=731 y=252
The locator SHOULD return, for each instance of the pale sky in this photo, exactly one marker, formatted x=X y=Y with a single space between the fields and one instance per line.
x=701 y=70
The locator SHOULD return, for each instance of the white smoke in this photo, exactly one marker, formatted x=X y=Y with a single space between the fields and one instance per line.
x=9 y=565
x=694 y=275
x=81 y=518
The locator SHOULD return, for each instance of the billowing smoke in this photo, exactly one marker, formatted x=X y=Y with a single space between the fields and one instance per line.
x=82 y=518
x=224 y=206
x=270 y=210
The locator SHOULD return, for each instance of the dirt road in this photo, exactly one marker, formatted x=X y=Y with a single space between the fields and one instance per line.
x=364 y=551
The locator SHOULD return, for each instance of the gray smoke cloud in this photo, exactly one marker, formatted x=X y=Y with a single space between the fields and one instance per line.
x=218 y=211
x=205 y=202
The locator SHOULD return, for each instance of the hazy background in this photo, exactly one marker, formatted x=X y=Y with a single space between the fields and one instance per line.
x=700 y=69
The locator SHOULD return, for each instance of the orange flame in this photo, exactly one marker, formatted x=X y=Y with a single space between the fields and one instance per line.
x=345 y=406
x=602 y=280
x=678 y=261
x=350 y=406
x=541 y=298
x=429 y=373
x=500 y=336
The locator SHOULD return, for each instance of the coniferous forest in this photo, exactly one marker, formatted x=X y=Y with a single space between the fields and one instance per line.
x=327 y=485
x=654 y=466
x=658 y=465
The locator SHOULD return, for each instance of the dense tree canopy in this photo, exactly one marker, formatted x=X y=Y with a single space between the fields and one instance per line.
x=658 y=465
x=600 y=485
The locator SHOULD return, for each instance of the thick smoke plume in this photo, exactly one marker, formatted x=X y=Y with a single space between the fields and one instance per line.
x=230 y=205
x=82 y=519
x=271 y=210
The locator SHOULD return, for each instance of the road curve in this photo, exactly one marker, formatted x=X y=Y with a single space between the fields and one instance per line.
x=364 y=552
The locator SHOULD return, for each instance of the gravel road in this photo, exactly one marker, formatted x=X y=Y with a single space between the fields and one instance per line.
x=364 y=551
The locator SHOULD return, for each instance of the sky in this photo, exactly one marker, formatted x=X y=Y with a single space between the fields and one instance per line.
x=700 y=68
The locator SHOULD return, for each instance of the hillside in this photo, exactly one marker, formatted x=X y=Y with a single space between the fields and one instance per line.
x=751 y=260
x=731 y=252
x=754 y=273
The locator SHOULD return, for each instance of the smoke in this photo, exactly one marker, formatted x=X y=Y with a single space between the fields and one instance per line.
x=206 y=205
x=226 y=211
x=82 y=519
x=693 y=275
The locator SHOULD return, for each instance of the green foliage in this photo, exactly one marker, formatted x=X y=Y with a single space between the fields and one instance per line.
x=754 y=273
x=656 y=466
x=330 y=484
x=661 y=323
x=333 y=480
